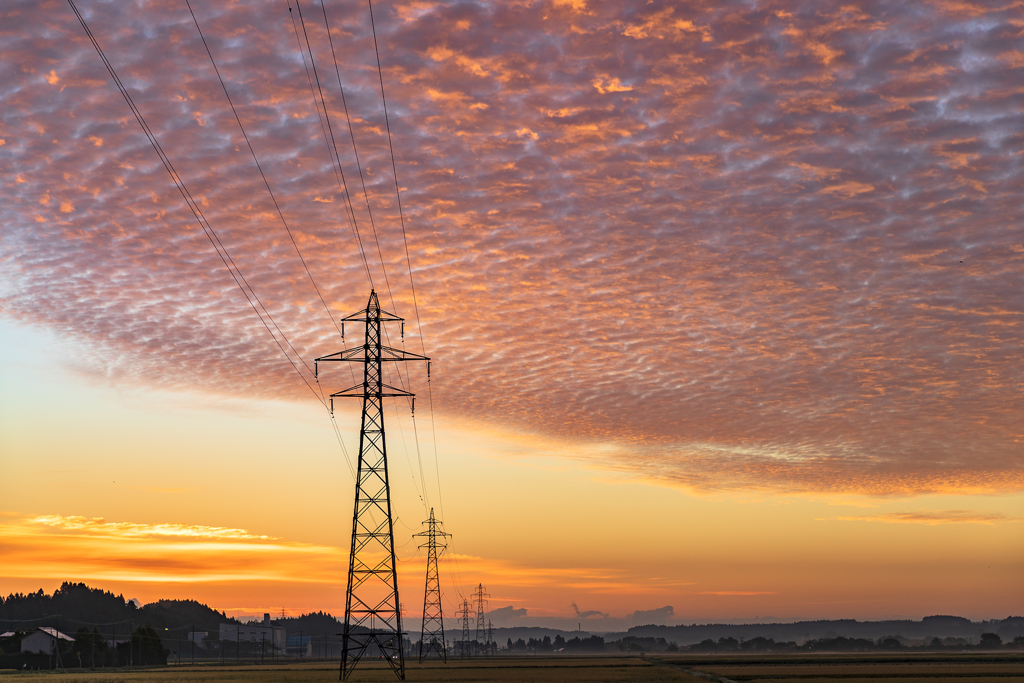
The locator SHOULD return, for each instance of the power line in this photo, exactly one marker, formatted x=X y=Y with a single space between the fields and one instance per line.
x=362 y=180
x=332 y=146
x=394 y=169
x=258 y=166
x=298 y=251
x=335 y=166
x=218 y=245
x=405 y=240
x=352 y=137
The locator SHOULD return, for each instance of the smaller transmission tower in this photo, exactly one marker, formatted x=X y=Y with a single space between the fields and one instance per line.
x=432 y=631
x=481 y=627
x=464 y=650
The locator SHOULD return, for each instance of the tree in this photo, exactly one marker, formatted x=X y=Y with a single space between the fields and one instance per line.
x=90 y=648
x=728 y=644
x=509 y=644
x=147 y=646
x=990 y=641
x=706 y=645
x=559 y=643
x=889 y=643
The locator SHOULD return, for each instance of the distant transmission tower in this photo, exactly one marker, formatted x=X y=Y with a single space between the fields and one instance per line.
x=464 y=650
x=481 y=627
x=433 y=618
x=373 y=614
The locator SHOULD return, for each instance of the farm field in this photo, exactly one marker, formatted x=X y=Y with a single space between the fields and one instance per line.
x=850 y=668
x=499 y=670
x=853 y=668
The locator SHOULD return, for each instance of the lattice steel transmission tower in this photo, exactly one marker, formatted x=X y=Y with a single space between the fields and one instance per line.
x=481 y=627
x=373 y=616
x=433 y=618
x=465 y=650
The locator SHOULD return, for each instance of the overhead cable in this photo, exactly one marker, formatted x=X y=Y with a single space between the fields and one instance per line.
x=222 y=252
x=234 y=111
x=405 y=240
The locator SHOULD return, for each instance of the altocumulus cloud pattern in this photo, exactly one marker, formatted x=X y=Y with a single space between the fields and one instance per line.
x=721 y=245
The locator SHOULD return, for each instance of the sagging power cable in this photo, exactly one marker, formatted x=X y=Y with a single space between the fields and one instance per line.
x=208 y=230
x=405 y=240
x=252 y=151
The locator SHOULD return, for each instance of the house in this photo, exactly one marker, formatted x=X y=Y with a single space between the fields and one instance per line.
x=272 y=635
x=43 y=640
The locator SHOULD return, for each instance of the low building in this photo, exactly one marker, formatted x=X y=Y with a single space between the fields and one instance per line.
x=300 y=646
x=272 y=635
x=43 y=640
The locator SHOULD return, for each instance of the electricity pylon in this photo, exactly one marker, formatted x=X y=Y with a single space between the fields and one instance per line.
x=433 y=619
x=481 y=627
x=464 y=613
x=373 y=614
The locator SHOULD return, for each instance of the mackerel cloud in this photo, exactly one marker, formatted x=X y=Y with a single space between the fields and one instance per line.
x=727 y=245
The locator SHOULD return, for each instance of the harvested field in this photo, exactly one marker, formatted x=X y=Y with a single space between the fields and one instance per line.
x=849 y=668
x=968 y=667
x=499 y=670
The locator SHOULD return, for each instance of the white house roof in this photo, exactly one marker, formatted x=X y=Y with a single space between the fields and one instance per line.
x=54 y=633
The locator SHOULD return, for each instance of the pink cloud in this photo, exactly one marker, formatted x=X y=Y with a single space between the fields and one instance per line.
x=777 y=248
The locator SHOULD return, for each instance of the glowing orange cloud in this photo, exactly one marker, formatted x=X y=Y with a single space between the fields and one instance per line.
x=935 y=518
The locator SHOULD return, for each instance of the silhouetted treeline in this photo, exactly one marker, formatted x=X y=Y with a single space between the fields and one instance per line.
x=317 y=624
x=559 y=644
x=929 y=627
x=987 y=641
x=75 y=604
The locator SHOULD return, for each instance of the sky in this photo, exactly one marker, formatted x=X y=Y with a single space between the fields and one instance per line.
x=724 y=301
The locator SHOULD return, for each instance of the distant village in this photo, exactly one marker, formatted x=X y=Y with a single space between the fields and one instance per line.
x=81 y=627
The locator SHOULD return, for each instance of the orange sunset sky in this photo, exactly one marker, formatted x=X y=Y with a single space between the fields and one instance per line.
x=725 y=303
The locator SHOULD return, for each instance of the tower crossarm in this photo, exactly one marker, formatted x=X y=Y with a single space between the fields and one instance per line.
x=357 y=354
x=359 y=390
x=371 y=314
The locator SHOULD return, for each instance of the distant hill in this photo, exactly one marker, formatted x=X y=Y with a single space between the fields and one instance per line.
x=928 y=627
x=317 y=624
x=179 y=614
x=74 y=605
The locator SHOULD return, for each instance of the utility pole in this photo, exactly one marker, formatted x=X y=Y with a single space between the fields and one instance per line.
x=433 y=618
x=490 y=638
x=372 y=610
x=481 y=628
x=464 y=613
